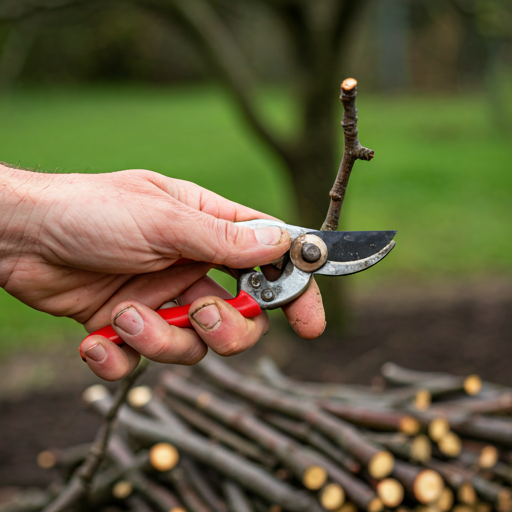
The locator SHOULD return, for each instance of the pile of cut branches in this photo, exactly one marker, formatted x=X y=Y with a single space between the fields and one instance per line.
x=210 y=439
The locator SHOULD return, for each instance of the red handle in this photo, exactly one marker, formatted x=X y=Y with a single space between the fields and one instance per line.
x=178 y=316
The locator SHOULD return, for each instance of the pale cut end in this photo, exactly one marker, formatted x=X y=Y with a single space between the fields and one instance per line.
x=466 y=494
x=381 y=465
x=391 y=492
x=122 y=490
x=348 y=507
x=332 y=496
x=438 y=428
x=177 y=509
x=428 y=486
x=314 y=477
x=348 y=84
x=375 y=505
x=409 y=425
x=422 y=400
x=163 y=456
x=472 y=384
x=445 y=502
x=504 y=502
x=488 y=456
x=46 y=460
x=203 y=399
x=421 y=448
x=95 y=393
x=140 y=396
x=450 y=444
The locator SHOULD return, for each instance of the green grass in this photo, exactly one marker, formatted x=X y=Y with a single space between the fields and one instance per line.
x=441 y=174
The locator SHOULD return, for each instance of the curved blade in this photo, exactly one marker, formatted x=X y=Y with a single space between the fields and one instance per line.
x=354 y=245
x=348 y=251
x=344 y=268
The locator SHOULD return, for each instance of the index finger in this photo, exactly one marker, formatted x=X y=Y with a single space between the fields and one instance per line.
x=306 y=313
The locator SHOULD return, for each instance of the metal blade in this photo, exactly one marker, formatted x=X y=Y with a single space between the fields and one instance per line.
x=349 y=252
x=354 y=245
x=339 y=268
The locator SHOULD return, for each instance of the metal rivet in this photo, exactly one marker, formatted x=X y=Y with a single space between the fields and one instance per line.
x=255 y=281
x=267 y=295
x=310 y=252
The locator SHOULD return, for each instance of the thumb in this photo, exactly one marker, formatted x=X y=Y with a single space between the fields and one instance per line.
x=222 y=242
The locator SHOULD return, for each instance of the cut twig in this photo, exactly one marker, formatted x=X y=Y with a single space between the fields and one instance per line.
x=418 y=449
x=236 y=498
x=332 y=496
x=425 y=485
x=161 y=498
x=186 y=491
x=373 y=418
x=163 y=456
x=352 y=151
x=378 y=461
x=390 y=491
x=239 y=418
x=249 y=475
x=79 y=484
x=219 y=433
x=445 y=502
x=436 y=383
x=304 y=432
x=202 y=485
x=450 y=444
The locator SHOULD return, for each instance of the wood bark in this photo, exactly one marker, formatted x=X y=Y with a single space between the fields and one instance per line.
x=249 y=475
x=378 y=461
x=79 y=484
x=239 y=418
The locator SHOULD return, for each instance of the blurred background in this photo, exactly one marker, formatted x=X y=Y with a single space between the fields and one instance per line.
x=243 y=98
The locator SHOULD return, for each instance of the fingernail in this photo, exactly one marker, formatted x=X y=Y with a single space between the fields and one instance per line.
x=129 y=321
x=207 y=317
x=268 y=236
x=96 y=353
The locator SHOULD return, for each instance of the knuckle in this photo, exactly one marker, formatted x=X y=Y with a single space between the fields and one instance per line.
x=229 y=233
x=194 y=355
x=155 y=348
x=139 y=173
x=230 y=347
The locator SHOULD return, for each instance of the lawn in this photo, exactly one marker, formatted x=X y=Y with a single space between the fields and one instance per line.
x=441 y=174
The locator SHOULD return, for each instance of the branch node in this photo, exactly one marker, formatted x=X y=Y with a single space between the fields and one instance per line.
x=352 y=151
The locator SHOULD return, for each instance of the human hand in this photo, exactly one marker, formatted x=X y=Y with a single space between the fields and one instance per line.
x=99 y=248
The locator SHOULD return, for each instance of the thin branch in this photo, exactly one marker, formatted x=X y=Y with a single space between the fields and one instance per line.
x=250 y=475
x=223 y=52
x=81 y=480
x=352 y=151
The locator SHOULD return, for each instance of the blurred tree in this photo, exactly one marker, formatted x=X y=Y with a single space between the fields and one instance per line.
x=315 y=34
x=471 y=40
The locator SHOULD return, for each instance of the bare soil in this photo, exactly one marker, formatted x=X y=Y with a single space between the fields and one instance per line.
x=460 y=328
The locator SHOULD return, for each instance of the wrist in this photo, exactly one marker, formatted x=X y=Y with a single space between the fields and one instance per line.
x=19 y=218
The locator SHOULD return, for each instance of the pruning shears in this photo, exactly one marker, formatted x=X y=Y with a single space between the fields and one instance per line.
x=331 y=253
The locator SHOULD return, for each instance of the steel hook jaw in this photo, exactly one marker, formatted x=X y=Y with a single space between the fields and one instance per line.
x=274 y=294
